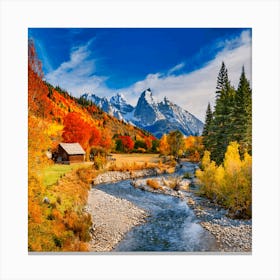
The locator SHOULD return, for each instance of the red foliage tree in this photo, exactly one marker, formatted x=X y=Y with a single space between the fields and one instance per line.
x=92 y=109
x=106 y=139
x=127 y=142
x=148 y=142
x=76 y=130
x=95 y=137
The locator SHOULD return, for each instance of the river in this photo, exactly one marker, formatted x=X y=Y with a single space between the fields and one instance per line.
x=171 y=225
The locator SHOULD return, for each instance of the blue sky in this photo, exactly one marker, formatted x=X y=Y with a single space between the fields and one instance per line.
x=180 y=63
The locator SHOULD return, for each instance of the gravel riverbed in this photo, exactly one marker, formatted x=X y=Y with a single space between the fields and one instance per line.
x=115 y=176
x=112 y=219
x=232 y=235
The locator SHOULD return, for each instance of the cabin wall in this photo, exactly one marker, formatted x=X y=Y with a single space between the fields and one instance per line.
x=62 y=154
x=76 y=158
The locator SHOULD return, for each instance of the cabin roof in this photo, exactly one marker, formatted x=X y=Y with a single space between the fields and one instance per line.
x=72 y=148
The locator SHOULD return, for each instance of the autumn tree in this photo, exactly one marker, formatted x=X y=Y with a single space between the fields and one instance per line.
x=164 y=148
x=124 y=144
x=193 y=148
x=148 y=142
x=38 y=144
x=77 y=130
x=230 y=183
x=95 y=136
x=106 y=139
x=176 y=143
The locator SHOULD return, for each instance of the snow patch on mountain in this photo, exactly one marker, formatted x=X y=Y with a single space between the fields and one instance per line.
x=119 y=102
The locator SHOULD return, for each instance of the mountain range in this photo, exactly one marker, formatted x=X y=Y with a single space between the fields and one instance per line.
x=156 y=117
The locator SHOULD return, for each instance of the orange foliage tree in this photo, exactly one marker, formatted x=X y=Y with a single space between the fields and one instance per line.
x=148 y=142
x=95 y=136
x=77 y=130
x=56 y=221
x=193 y=148
x=164 y=148
x=106 y=139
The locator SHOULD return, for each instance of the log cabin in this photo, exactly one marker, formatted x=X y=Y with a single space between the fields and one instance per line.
x=70 y=153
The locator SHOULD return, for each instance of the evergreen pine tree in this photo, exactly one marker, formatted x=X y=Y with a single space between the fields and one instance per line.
x=208 y=120
x=222 y=128
x=243 y=114
x=222 y=80
x=207 y=129
x=231 y=119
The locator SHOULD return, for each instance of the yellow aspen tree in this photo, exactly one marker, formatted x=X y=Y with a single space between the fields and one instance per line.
x=164 y=147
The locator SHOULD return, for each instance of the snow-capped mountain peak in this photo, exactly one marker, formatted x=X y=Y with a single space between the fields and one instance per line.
x=149 y=114
x=147 y=109
x=148 y=96
x=118 y=99
x=120 y=103
x=166 y=100
x=101 y=102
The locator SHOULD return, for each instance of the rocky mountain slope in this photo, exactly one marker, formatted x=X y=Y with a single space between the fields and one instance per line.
x=149 y=114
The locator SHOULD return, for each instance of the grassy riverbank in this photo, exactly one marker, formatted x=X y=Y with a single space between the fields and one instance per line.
x=58 y=198
x=136 y=158
x=54 y=172
x=57 y=220
x=131 y=162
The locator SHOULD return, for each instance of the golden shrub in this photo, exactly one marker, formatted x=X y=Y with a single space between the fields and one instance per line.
x=153 y=184
x=229 y=184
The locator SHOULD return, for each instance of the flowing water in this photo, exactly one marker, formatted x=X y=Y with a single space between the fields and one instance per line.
x=171 y=225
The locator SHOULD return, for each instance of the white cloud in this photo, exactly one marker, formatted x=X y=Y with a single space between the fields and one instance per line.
x=176 y=68
x=191 y=91
x=194 y=90
x=77 y=74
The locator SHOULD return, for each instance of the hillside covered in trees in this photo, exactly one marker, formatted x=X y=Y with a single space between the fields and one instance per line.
x=90 y=126
x=56 y=220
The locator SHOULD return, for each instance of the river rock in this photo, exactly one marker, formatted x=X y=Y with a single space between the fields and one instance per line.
x=232 y=235
x=114 y=176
